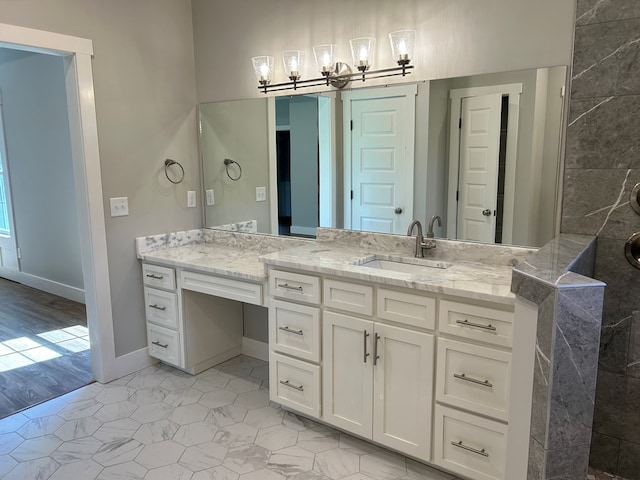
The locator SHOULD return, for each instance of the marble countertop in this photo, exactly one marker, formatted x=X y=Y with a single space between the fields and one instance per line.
x=468 y=279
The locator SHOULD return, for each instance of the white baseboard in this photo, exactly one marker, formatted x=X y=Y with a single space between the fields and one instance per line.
x=255 y=349
x=134 y=361
x=55 y=288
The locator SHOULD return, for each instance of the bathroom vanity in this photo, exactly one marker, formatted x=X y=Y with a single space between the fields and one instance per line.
x=435 y=358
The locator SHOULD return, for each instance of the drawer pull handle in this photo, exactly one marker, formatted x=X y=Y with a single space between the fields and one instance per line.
x=160 y=345
x=375 y=350
x=467 y=323
x=484 y=383
x=286 y=383
x=366 y=334
x=470 y=449
x=155 y=277
x=157 y=307
x=290 y=287
x=288 y=330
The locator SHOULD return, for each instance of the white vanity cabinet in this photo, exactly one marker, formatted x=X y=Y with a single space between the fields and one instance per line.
x=472 y=389
x=161 y=311
x=294 y=341
x=377 y=378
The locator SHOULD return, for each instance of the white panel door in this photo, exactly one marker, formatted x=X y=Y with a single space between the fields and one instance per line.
x=478 y=180
x=347 y=373
x=403 y=390
x=381 y=164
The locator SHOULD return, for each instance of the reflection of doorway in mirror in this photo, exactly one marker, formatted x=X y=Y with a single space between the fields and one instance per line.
x=379 y=158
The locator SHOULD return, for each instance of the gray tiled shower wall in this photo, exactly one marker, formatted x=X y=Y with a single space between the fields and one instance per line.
x=602 y=166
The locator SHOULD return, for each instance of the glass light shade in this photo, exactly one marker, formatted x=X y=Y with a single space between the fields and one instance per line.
x=293 y=61
x=363 y=51
x=263 y=66
x=402 y=45
x=326 y=57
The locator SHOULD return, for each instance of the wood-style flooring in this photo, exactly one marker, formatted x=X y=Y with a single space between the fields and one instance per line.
x=32 y=333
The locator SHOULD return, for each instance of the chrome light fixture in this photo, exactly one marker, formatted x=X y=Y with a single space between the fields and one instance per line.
x=363 y=52
x=263 y=67
x=402 y=45
x=293 y=61
x=334 y=72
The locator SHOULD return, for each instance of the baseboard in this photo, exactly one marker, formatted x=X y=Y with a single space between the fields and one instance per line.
x=134 y=361
x=255 y=349
x=55 y=288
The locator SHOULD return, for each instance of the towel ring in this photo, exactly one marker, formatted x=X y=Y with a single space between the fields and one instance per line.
x=227 y=162
x=167 y=163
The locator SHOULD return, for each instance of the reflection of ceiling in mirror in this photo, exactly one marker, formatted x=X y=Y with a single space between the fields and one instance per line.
x=526 y=171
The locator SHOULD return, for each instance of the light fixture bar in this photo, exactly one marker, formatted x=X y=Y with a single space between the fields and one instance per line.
x=401 y=70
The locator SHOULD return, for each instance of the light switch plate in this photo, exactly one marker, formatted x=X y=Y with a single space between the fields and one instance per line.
x=261 y=194
x=210 y=198
x=191 y=198
x=119 y=206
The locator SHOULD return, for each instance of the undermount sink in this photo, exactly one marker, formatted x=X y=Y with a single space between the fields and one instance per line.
x=413 y=266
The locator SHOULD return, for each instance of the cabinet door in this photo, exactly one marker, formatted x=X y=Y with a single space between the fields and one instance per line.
x=403 y=390
x=347 y=373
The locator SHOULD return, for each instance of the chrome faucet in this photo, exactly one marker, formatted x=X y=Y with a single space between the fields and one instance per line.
x=421 y=244
x=433 y=219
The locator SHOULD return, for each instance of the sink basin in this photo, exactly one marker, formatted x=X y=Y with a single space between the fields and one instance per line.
x=414 y=266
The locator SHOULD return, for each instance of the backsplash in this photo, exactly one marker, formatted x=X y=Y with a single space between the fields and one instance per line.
x=602 y=166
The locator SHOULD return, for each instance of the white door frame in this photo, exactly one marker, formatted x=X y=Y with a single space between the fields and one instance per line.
x=409 y=90
x=513 y=91
x=77 y=54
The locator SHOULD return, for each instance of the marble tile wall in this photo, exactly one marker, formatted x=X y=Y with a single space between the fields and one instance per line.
x=602 y=166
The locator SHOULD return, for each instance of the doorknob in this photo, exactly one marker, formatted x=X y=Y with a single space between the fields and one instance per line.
x=398 y=210
x=486 y=212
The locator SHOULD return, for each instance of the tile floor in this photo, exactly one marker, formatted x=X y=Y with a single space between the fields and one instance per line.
x=161 y=423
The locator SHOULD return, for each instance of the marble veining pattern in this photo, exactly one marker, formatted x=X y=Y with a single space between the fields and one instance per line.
x=249 y=226
x=244 y=440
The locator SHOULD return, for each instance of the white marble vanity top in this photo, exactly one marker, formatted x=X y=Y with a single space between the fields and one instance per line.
x=245 y=257
x=470 y=280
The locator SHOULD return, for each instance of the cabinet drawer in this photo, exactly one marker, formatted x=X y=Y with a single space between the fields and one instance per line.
x=349 y=297
x=475 y=378
x=161 y=307
x=478 y=323
x=406 y=308
x=295 y=329
x=294 y=286
x=295 y=384
x=164 y=344
x=469 y=445
x=222 y=287
x=159 y=277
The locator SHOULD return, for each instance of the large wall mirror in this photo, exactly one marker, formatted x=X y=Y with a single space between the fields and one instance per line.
x=482 y=152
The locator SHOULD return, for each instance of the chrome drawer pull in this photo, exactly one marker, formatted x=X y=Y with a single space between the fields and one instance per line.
x=286 y=383
x=470 y=449
x=155 y=277
x=366 y=334
x=467 y=323
x=158 y=307
x=288 y=330
x=289 y=287
x=484 y=383
x=161 y=345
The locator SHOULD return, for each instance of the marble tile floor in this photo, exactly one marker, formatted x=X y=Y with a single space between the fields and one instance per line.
x=161 y=423
x=597 y=475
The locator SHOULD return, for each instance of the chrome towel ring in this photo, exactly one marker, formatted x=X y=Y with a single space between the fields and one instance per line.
x=170 y=176
x=227 y=163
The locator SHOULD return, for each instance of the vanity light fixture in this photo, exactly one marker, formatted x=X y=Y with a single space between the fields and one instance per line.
x=334 y=72
x=263 y=67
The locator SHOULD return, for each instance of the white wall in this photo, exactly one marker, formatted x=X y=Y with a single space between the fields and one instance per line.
x=454 y=39
x=145 y=100
x=40 y=165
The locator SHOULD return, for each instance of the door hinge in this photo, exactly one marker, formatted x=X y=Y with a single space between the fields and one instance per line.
x=351 y=194
x=457 y=195
x=460 y=122
x=351 y=125
x=19 y=253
